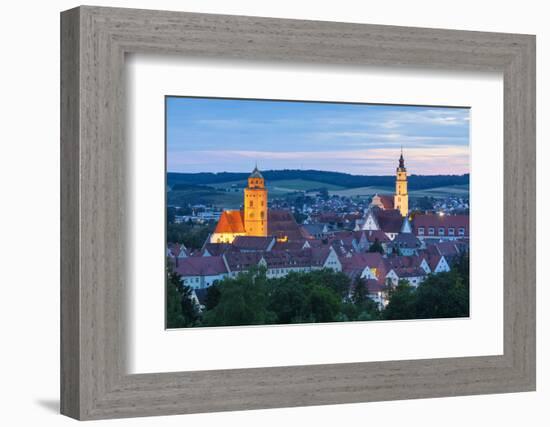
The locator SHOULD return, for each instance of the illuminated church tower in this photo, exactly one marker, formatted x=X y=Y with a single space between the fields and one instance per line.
x=255 y=205
x=401 y=198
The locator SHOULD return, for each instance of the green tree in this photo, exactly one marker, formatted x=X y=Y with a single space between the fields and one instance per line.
x=366 y=308
x=288 y=299
x=323 y=304
x=191 y=235
x=442 y=295
x=337 y=281
x=402 y=302
x=212 y=296
x=181 y=309
x=242 y=301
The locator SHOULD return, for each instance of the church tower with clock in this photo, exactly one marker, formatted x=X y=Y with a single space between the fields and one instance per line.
x=401 y=197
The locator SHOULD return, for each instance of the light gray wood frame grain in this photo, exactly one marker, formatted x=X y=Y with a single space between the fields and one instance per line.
x=94 y=41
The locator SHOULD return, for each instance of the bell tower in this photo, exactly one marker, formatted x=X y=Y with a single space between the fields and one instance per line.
x=401 y=198
x=255 y=205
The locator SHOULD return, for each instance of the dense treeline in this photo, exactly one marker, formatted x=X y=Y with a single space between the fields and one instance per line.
x=320 y=296
x=191 y=235
x=416 y=182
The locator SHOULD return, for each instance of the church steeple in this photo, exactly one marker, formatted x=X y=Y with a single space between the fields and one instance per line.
x=401 y=198
x=401 y=160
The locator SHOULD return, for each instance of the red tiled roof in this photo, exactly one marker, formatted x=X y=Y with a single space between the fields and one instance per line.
x=241 y=261
x=436 y=221
x=409 y=272
x=201 y=266
x=387 y=201
x=403 y=262
x=447 y=249
x=289 y=246
x=282 y=223
x=354 y=265
x=230 y=222
x=390 y=221
x=375 y=286
x=372 y=235
x=216 y=249
x=406 y=240
x=258 y=243
x=433 y=261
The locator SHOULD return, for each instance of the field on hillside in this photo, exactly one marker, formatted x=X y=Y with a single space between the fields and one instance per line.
x=441 y=192
x=229 y=194
x=362 y=191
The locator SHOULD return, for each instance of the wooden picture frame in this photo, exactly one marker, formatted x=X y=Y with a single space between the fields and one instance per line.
x=94 y=41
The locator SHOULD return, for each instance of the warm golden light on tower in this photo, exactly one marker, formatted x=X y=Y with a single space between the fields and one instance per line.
x=255 y=205
x=401 y=198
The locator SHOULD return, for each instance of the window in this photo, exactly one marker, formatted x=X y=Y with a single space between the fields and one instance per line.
x=451 y=231
x=431 y=231
x=441 y=231
x=421 y=231
x=251 y=203
x=461 y=231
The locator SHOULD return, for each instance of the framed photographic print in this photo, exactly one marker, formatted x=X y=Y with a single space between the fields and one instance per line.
x=346 y=210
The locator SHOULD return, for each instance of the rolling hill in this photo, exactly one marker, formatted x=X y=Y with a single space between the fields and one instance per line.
x=225 y=188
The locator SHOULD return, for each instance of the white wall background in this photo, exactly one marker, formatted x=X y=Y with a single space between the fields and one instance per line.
x=29 y=212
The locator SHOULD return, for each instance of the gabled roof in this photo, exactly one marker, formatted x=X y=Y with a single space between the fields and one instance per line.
x=230 y=222
x=390 y=221
x=433 y=261
x=407 y=241
x=201 y=266
x=177 y=250
x=357 y=262
x=314 y=229
x=373 y=235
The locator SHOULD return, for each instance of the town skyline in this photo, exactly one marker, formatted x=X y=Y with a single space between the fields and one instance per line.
x=226 y=135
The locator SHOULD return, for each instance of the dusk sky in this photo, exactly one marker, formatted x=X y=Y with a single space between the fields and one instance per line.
x=217 y=135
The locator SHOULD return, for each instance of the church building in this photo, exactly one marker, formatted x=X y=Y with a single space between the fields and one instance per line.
x=255 y=219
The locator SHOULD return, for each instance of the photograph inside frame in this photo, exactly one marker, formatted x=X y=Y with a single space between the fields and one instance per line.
x=296 y=212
